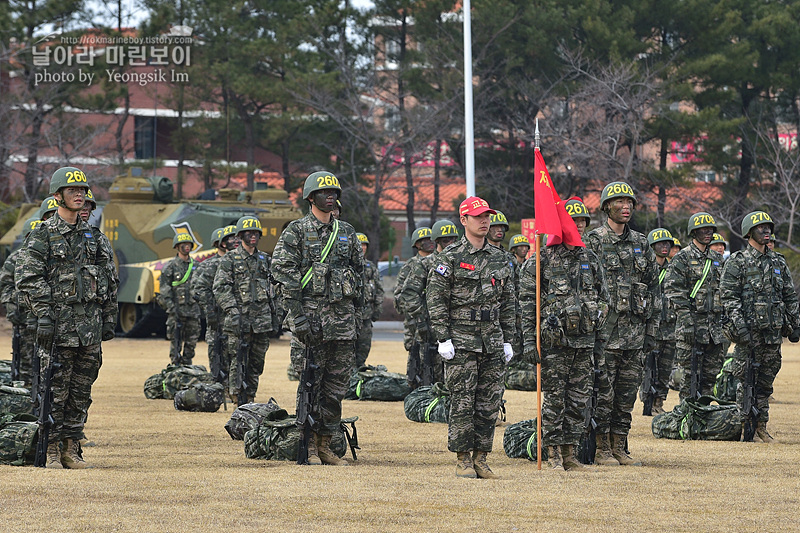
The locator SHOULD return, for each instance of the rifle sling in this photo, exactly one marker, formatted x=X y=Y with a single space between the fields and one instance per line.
x=185 y=277
x=702 y=279
x=325 y=251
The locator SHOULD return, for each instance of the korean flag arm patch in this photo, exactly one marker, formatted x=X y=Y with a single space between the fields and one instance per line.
x=442 y=269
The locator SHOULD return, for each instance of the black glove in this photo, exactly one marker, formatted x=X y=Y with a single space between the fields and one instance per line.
x=376 y=314
x=44 y=333
x=531 y=354
x=649 y=343
x=743 y=336
x=302 y=330
x=795 y=336
x=108 y=331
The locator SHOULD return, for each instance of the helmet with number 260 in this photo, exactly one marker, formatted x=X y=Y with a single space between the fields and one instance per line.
x=248 y=223
x=756 y=218
x=319 y=181
x=616 y=189
x=67 y=177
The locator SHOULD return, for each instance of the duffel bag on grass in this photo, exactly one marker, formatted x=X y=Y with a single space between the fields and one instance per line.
x=726 y=383
x=703 y=419
x=175 y=378
x=202 y=397
x=373 y=384
x=18 y=436
x=249 y=416
x=15 y=400
x=521 y=376
x=519 y=440
x=5 y=372
x=279 y=438
x=428 y=404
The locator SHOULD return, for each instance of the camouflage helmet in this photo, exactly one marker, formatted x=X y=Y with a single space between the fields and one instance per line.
x=701 y=220
x=30 y=225
x=659 y=235
x=49 y=205
x=499 y=219
x=719 y=239
x=90 y=198
x=216 y=236
x=518 y=240
x=444 y=229
x=229 y=230
x=362 y=238
x=576 y=208
x=676 y=242
x=248 y=223
x=181 y=238
x=419 y=234
x=616 y=189
x=67 y=177
x=319 y=181
x=756 y=218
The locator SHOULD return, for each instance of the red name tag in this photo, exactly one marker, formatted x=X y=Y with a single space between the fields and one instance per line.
x=467 y=266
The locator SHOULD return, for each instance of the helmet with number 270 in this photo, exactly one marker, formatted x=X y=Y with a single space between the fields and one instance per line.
x=319 y=181
x=756 y=218
x=67 y=177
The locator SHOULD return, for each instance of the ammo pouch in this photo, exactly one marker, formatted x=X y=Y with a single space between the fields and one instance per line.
x=623 y=297
x=349 y=283
x=90 y=277
x=640 y=296
x=319 y=278
x=572 y=317
x=589 y=316
x=763 y=318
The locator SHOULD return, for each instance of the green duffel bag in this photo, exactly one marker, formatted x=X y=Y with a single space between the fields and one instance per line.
x=5 y=372
x=15 y=401
x=154 y=387
x=703 y=419
x=428 y=404
x=726 y=383
x=376 y=384
x=203 y=397
x=175 y=378
x=278 y=438
x=519 y=440
x=521 y=376
x=249 y=416
x=18 y=437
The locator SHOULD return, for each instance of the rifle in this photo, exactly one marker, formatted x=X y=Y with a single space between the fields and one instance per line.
x=44 y=402
x=588 y=445
x=177 y=341
x=413 y=370
x=242 y=356
x=694 y=384
x=427 y=354
x=750 y=410
x=217 y=362
x=305 y=405
x=649 y=383
x=16 y=355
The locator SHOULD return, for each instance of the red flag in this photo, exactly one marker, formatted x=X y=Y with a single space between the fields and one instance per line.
x=551 y=217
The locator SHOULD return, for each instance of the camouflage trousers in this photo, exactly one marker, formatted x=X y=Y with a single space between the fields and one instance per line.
x=475 y=382
x=257 y=346
x=72 y=389
x=27 y=339
x=363 y=343
x=664 y=362
x=190 y=333
x=567 y=375
x=620 y=378
x=769 y=356
x=335 y=361
x=409 y=332
x=710 y=359
x=224 y=362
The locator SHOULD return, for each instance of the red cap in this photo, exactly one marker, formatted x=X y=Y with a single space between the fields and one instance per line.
x=474 y=206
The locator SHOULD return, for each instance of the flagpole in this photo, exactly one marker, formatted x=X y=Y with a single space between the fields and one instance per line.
x=537 y=251
x=469 y=135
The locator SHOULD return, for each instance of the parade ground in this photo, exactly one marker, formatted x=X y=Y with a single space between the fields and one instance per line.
x=156 y=469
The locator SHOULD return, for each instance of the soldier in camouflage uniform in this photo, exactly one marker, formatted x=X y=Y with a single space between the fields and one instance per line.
x=718 y=244
x=497 y=234
x=660 y=240
x=48 y=208
x=68 y=280
x=760 y=300
x=203 y=292
x=412 y=298
x=373 y=305
x=244 y=293
x=676 y=247
x=472 y=304
x=318 y=266
x=17 y=312
x=692 y=285
x=179 y=303
x=574 y=306
x=519 y=246
x=630 y=268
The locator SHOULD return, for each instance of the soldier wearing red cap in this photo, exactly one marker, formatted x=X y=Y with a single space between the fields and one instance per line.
x=472 y=302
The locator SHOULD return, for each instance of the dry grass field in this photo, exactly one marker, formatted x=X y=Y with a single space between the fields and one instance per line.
x=160 y=470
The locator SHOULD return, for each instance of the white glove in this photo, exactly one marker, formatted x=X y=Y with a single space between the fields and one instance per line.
x=508 y=351
x=446 y=350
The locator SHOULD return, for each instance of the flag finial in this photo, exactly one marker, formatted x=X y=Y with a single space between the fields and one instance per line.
x=536 y=136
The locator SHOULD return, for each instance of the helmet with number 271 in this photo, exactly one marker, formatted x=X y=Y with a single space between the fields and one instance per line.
x=248 y=223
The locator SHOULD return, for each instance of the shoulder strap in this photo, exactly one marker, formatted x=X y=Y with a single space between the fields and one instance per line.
x=702 y=279
x=185 y=277
x=325 y=251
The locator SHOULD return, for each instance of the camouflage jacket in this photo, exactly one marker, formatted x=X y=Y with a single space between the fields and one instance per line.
x=175 y=293
x=412 y=293
x=334 y=291
x=373 y=293
x=203 y=287
x=243 y=281
x=471 y=299
x=66 y=272
x=573 y=289
x=8 y=290
x=697 y=309
x=757 y=293
x=630 y=268
x=405 y=270
x=666 y=322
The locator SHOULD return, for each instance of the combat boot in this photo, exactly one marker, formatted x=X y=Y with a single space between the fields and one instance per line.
x=569 y=461
x=325 y=453
x=603 y=456
x=53 y=456
x=619 y=453
x=71 y=454
x=658 y=406
x=763 y=434
x=313 y=456
x=464 y=467
x=481 y=466
x=554 y=459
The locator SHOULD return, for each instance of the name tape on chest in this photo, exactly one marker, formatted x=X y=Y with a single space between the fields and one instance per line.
x=467 y=266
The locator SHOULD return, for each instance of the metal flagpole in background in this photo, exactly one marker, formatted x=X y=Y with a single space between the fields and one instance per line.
x=537 y=250
x=469 y=135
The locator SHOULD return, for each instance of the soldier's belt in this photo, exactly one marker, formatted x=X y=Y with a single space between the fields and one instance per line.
x=476 y=315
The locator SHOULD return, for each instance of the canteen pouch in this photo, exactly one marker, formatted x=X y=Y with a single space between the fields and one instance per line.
x=336 y=286
x=572 y=318
x=319 y=277
x=89 y=277
x=623 y=298
x=776 y=311
x=762 y=315
x=640 y=297
x=589 y=316
x=67 y=282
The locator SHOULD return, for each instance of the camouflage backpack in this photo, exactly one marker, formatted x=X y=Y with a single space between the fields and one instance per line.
x=200 y=397
x=699 y=420
x=18 y=436
x=15 y=401
x=279 y=438
x=175 y=378
x=428 y=404
x=371 y=383
x=249 y=416
x=519 y=440
x=725 y=386
x=5 y=372
x=521 y=376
